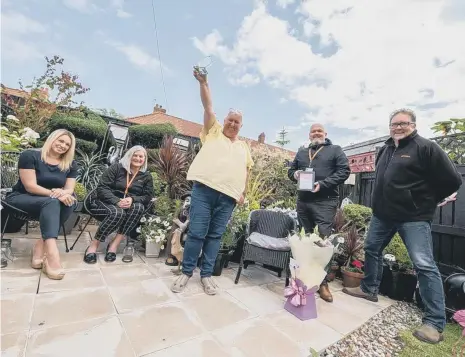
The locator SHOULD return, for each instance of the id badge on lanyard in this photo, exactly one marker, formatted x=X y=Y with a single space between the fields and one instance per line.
x=129 y=183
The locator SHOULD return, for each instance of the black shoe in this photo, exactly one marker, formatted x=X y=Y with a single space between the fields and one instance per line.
x=110 y=257
x=90 y=258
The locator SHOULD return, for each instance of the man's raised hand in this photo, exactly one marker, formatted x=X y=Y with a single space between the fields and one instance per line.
x=200 y=77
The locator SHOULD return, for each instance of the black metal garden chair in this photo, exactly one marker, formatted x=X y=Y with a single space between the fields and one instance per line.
x=90 y=208
x=9 y=177
x=273 y=229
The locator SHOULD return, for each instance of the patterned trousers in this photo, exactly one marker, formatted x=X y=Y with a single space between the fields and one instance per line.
x=117 y=219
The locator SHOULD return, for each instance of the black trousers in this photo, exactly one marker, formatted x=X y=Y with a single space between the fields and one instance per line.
x=50 y=211
x=318 y=213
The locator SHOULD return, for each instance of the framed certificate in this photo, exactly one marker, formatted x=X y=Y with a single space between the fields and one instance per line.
x=306 y=181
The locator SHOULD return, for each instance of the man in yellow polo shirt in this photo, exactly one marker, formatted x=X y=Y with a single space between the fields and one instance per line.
x=220 y=172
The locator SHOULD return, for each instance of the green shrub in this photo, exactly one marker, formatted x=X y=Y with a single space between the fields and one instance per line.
x=358 y=214
x=87 y=147
x=158 y=184
x=92 y=128
x=397 y=248
x=80 y=191
x=150 y=136
x=165 y=206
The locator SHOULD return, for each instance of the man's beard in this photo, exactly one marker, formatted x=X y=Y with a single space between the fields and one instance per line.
x=317 y=141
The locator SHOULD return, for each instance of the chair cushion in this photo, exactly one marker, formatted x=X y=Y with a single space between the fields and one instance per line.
x=271 y=223
x=267 y=242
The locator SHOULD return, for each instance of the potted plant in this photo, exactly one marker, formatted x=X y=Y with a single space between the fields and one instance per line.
x=352 y=272
x=154 y=232
x=399 y=280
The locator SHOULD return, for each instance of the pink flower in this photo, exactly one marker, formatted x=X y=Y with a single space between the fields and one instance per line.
x=358 y=264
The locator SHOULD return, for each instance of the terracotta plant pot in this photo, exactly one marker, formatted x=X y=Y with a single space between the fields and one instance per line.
x=351 y=279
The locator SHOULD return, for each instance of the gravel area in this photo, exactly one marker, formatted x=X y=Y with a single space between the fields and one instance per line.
x=378 y=337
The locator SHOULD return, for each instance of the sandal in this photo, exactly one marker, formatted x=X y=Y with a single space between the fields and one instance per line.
x=90 y=258
x=110 y=257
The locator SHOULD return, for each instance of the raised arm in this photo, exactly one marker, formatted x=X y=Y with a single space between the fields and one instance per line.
x=205 y=96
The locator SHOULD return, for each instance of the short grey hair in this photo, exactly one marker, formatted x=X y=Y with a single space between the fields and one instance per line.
x=405 y=111
x=126 y=159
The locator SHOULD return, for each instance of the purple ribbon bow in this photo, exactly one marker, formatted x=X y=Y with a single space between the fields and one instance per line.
x=298 y=292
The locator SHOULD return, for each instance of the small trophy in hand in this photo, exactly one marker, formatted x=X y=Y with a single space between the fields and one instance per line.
x=201 y=67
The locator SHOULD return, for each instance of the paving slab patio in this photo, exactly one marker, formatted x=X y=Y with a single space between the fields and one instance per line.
x=125 y=310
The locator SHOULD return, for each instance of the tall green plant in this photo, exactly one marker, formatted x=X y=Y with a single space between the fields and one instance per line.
x=91 y=168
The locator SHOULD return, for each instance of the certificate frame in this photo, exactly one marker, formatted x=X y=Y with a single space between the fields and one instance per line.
x=306 y=181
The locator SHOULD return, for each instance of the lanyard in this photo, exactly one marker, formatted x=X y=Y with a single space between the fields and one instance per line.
x=310 y=153
x=129 y=182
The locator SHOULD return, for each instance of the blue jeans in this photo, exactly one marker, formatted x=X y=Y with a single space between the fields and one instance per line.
x=419 y=243
x=50 y=211
x=209 y=214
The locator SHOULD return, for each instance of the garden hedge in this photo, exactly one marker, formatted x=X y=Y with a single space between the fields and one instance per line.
x=91 y=128
x=87 y=147
x=150 y=136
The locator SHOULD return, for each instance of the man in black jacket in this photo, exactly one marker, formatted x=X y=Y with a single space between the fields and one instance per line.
x=318 y=207
x=413 y=176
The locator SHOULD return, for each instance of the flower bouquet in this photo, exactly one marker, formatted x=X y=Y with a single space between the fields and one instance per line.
x=300 y=300
x=311 y=257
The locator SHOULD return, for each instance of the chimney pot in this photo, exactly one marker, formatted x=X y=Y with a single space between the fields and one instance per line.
x=261 y=138
x=158 y=109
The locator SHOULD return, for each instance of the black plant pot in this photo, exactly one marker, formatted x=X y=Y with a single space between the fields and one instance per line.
x=386 y=286
x=221 y=259
x=403 y=286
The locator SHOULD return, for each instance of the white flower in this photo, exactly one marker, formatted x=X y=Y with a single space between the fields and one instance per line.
x=138 y=230
x=162 y=247
x=157 y=220
x=163 y=235
x=166 y=224
x=151 y=219
x=29 y=134
x=4 y=128
x=6 y=141
x=12 y=117
x=143 y=219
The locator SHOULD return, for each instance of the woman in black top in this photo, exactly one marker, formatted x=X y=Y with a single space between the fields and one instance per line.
x=123 y=193
x=46 y=189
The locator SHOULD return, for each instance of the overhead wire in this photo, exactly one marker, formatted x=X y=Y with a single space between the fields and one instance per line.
x=159 y=56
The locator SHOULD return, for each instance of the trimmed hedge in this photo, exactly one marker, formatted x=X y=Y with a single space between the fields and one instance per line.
x=150 y=136
x=87 y=147
x=92 y=128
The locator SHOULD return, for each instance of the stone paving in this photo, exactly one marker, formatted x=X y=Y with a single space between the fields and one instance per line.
x=119 y=309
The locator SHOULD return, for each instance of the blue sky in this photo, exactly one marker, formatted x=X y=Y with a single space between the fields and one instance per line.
x=284 y=63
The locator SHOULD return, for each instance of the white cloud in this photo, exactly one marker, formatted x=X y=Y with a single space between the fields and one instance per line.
x=19 y=36
x=118 y=4
x=388 y=56
x=284 y=3
x=138 y=57
x=84 y=6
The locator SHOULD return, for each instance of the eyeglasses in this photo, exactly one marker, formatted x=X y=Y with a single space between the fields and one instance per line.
x=403 y=124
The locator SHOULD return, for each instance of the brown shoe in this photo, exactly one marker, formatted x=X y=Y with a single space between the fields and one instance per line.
x=359 y=293
x=324 y=292
x=428 y=334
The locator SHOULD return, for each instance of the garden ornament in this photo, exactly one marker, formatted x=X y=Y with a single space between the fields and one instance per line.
x=179 y=235
x=389 y=258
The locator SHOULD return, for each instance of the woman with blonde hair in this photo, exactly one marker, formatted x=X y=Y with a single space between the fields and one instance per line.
x=123 y=193
x=46 y=189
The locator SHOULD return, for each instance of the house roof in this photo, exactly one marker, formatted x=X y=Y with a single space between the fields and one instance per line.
x=14 y=92
x=192 y=129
